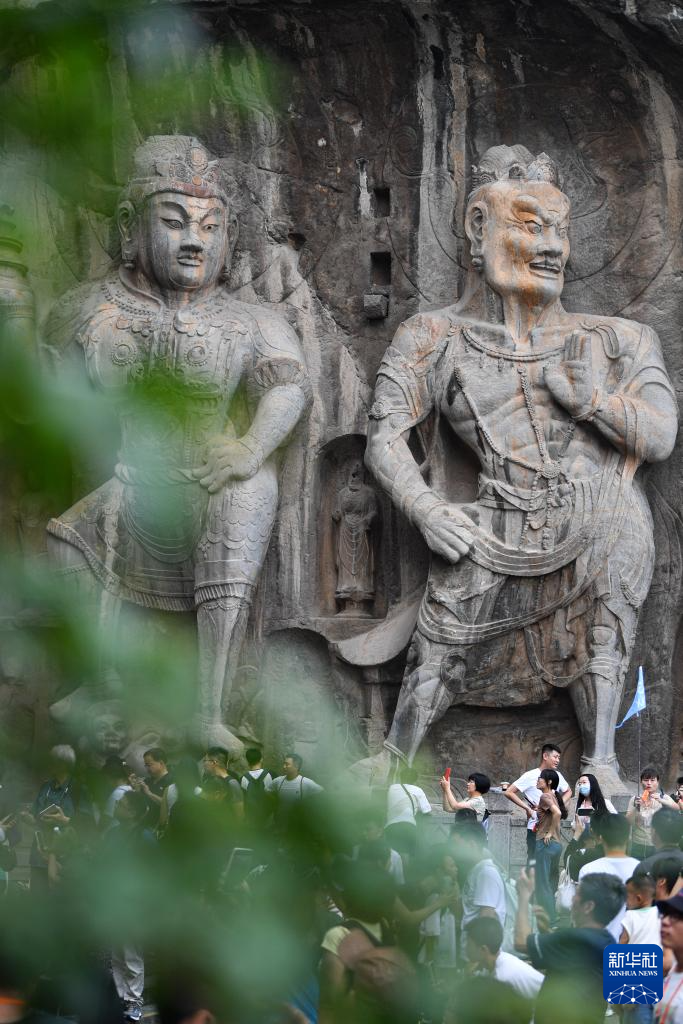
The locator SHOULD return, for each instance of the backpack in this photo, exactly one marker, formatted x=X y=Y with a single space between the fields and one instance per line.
x=258 y=803
x=382 y=976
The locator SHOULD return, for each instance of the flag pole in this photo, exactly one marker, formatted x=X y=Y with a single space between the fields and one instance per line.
x=639 y=739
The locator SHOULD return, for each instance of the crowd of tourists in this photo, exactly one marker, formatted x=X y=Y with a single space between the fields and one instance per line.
x=208 y=895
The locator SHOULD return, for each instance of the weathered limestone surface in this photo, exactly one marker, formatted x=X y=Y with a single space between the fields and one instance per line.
x=537 y=583
x=349 y=179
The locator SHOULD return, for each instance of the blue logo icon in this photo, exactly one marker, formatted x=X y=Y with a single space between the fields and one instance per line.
x=633 y=974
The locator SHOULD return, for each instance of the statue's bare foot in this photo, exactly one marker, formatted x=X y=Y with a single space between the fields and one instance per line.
x=75 y=706
x=607 y=774
x=215 y=734
x=378 y=770
x=63 y=709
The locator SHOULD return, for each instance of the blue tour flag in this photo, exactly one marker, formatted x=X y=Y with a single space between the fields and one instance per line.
x=639 y=702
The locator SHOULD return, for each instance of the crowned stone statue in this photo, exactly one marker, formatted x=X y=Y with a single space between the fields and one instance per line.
x=206 y=389
x=536 y=583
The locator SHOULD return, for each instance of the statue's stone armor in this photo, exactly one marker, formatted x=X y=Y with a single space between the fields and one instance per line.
x=178 y=377
x=561 y=528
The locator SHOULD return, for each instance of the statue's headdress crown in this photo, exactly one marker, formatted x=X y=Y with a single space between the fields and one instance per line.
x=513 y=162
x=175 y=163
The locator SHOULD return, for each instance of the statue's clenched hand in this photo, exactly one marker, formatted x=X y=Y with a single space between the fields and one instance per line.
x=445 y=529
x=571 y=382
x=226 y=460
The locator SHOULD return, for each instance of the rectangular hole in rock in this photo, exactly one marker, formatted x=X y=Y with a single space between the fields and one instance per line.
x=382 y=201
x=380 y=269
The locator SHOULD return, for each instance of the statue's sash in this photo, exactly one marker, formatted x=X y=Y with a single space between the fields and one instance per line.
x=601 y=529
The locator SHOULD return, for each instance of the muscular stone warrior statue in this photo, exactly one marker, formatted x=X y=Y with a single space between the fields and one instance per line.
x=355 y=513
x=207 y=389
x=537 y=583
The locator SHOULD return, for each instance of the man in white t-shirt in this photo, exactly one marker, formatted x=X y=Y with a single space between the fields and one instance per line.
x=482 y=889
x=483 y=939
x=525 y=794
x=614 y=832
x=291 y=789
x=405 y=802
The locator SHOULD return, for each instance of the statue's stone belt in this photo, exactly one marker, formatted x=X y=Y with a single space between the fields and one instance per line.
x=497 y=494
x=605 y=524
x=610 y=509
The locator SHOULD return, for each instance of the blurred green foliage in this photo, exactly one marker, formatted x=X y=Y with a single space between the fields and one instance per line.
x=81 y=83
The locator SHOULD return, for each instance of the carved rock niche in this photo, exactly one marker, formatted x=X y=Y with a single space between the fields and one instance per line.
x=350 y=572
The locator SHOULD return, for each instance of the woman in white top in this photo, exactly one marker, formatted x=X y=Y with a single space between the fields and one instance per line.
x=478 y=785
x=589 y=797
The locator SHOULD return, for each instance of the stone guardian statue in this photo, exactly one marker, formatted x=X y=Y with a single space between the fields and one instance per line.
x=537 y=583
x=207 y=390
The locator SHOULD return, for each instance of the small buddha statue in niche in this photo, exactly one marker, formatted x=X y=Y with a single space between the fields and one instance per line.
x=354 y=515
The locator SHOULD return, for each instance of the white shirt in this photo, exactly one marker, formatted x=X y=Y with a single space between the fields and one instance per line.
x=431 y=926
x=441 y=926
x=484 y=887
x=623 y=868
x=256 y=773
x=288 y=791
x=404 y=801
x=520 y=976
x=396 y=868
x=526 y=784
x=670 y=1008
x=642 y=926
x=114 y=798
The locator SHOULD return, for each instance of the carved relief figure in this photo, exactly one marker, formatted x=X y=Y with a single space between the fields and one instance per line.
x=355 y=513
x=538 y=582
x=207 y=389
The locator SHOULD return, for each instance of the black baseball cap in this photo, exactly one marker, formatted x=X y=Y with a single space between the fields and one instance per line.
x=673 y=905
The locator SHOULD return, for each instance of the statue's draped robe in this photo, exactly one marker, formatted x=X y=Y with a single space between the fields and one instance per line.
x=549 y=559
x=151 y=534
x=355 y=562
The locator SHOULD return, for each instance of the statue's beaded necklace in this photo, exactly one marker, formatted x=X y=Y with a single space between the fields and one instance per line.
x=202 y=311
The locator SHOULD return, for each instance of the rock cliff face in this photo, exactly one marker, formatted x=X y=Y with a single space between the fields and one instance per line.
x=347 y=131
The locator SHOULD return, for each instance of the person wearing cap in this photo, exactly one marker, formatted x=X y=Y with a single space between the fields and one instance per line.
x=185 y=521
x=670 y=1009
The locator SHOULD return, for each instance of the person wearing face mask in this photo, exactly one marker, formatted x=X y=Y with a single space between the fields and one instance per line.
x=589 y=801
